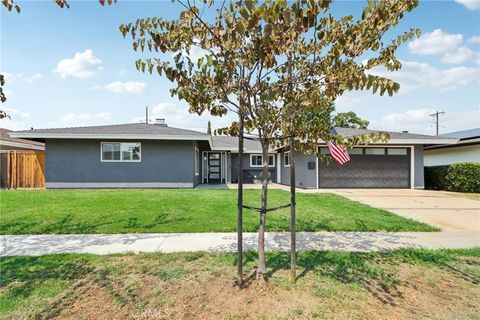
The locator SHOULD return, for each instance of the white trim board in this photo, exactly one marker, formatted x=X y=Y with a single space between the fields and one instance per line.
x=25 y=146
x=279 y=168
x=115 y=185
x=412 y=167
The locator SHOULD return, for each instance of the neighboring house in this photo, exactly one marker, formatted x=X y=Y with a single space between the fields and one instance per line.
x=467 y=149
x=157 y=156
x=9 y=143
x=21 y=162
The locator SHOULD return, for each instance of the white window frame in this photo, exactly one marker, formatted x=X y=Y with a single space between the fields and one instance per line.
x=376 y=154
x=120 y=143
x=197 y=161
x=397 y=154
x=289 y=158
x=260 y=155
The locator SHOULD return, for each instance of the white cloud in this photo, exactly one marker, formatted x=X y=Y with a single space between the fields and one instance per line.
x=460 y=55
x=420 y=121
x=349 y=100
x=435 y=42
x=9 y=77
x=470 y=4
x=18 y=120
x=196 y=53
x=36 y=76
x=96 y=87
x=179 y=117
x=124 y=87
x=474 y=39
x=83 y=65
x=449 y=45
x=82 y=118
x=20 y=77
x=416 y=75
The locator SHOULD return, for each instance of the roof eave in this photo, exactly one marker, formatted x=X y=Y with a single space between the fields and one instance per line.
x=38 y=135
x=21 y=145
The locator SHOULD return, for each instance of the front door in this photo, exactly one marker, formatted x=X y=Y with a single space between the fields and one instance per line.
x=214 y=166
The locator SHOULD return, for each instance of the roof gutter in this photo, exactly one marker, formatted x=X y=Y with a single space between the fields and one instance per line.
x=21 y=145
x=39 y=135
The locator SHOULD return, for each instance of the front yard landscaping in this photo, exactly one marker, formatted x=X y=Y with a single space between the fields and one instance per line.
x=152 y=211
x=405 y=284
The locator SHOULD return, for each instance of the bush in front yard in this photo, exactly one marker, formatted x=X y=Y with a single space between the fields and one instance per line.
x=435 y=177
x=460 y=177
x=464 y=177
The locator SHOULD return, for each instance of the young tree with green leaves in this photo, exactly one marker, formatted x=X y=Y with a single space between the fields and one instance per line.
x=278 y=65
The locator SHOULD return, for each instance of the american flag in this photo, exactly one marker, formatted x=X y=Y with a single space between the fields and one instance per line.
x=338 y=152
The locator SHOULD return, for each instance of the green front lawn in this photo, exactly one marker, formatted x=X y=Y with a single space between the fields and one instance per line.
x=143 y=211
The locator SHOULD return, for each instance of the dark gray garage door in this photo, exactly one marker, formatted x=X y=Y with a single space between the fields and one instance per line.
x=368 y=168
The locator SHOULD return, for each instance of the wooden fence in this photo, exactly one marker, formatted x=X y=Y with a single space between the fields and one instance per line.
x=22 y=169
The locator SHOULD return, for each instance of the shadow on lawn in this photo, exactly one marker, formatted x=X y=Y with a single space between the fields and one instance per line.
x=20 y=276
x=376 y=272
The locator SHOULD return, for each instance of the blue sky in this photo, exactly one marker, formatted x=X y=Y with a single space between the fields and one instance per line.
x=72 y=67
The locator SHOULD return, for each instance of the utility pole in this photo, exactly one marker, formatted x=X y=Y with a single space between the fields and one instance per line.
x=146 y=114
x=435 y=117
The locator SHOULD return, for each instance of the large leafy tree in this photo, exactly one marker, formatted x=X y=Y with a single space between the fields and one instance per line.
x=350 y=120
x=278 y=65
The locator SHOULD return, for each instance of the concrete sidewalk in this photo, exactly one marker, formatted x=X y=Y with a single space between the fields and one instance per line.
x=16 y=245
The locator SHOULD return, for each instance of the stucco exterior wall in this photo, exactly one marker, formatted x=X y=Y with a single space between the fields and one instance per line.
x=304 y=177
x=452 y=155
x=77 y=164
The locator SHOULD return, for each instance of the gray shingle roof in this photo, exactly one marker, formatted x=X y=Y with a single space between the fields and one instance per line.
x=131 y=128
x=5 y=136
x=231 y=143
x=348 y=132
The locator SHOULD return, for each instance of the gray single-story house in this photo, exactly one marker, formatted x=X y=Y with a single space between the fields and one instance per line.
x=143 y=155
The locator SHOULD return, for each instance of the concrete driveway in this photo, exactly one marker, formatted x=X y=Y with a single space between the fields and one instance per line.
x=446 y=210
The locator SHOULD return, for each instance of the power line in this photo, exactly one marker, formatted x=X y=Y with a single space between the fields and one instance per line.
x=435 y=117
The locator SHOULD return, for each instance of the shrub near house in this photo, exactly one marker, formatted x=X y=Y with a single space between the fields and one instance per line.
x=460 y=177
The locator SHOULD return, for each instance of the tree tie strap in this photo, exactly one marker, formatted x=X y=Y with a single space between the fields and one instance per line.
x=268 y=209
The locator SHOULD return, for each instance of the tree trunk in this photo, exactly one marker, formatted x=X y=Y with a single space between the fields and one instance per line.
x=293 y=231
x=240 y=204
x=261 y=270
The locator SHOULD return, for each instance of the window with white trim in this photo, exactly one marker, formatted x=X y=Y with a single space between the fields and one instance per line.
x=121 y=152
x=397 y=151
x=256 y=160
x=197 y=161
x=375 y=151
x=286 y=159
